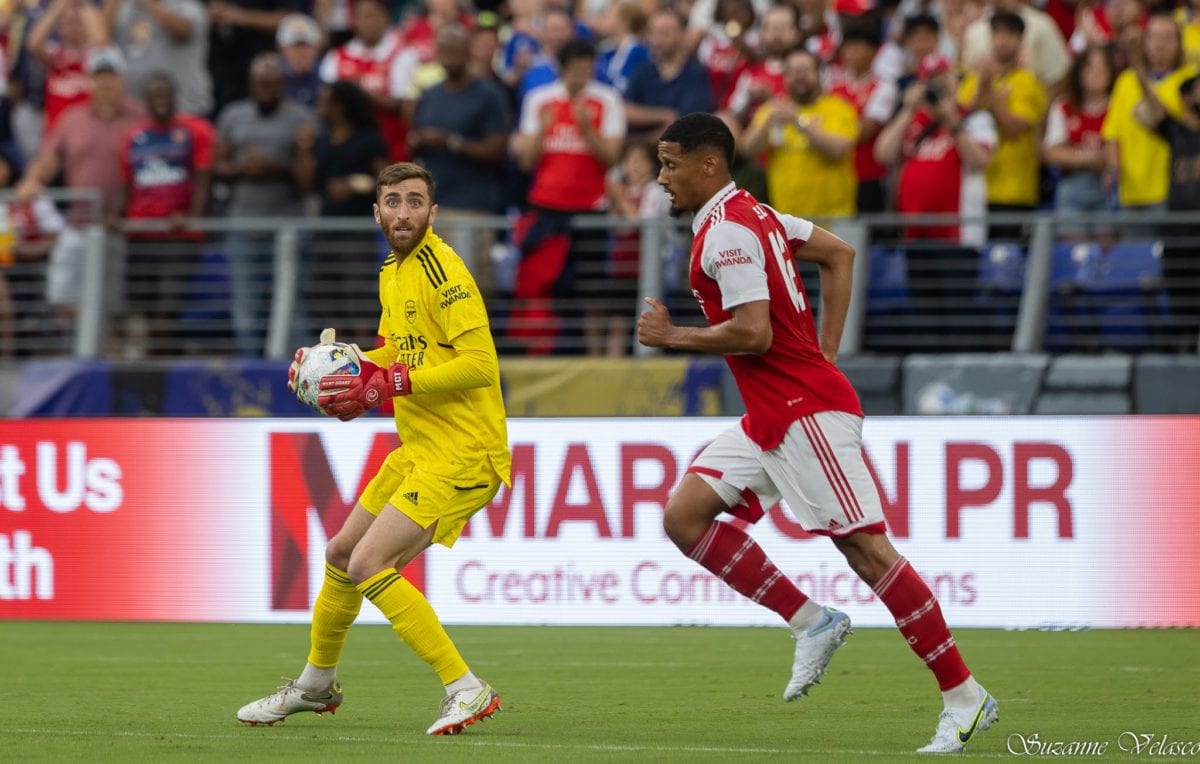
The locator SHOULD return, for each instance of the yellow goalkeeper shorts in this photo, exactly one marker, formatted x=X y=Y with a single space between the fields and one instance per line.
x=425 y=496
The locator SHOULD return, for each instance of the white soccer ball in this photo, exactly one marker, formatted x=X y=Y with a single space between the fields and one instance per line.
x=322 y=361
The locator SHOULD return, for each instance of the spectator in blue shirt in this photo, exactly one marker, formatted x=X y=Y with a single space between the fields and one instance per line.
x=623 y=49
x=672 y=83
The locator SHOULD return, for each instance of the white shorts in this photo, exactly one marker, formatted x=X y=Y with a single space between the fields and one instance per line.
x=818 y=470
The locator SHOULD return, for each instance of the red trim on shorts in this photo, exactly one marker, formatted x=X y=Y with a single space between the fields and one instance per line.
x=838 y=489
x=707 y=471
x=753 y=510
x=843 y=533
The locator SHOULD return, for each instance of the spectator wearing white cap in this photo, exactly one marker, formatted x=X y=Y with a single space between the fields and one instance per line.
x=299 y=41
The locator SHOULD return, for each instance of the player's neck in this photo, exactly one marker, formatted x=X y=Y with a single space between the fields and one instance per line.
x=713 y=192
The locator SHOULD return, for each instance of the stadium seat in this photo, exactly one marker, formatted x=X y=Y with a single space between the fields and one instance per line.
x=1074 y=264
x=1070 y=324
x=887 y=291
x=1001 y=278
x=1126 y=294
x=1001 y=268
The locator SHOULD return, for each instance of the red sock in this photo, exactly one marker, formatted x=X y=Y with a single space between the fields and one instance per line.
x=732 y=556
x=919 y=618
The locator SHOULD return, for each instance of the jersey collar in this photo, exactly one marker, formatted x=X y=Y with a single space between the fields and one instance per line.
x=711 y=205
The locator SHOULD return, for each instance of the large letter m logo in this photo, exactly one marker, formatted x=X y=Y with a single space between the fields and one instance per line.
x=302 y=482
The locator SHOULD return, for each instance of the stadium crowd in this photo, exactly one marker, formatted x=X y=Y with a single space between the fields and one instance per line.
x=548 y=111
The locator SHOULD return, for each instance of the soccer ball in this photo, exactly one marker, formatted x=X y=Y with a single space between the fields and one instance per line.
x=322 y=361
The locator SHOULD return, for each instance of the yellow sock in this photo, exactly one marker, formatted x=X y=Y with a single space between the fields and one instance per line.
x=412 y=618
x=335 y=609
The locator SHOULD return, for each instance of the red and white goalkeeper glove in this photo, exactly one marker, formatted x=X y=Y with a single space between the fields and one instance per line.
x=327 y=338
x=347 y=397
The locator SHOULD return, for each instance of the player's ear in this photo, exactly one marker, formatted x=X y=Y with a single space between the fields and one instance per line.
x=433 y=214
x=375 y=207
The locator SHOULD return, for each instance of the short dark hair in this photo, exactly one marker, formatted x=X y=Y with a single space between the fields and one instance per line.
x=402 y=171
x=860 y=32
x=1007 y=21
x=926 y=21
x=700 y=130
x=576 y=48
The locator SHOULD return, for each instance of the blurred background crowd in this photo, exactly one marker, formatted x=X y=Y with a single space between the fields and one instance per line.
x=546 y=112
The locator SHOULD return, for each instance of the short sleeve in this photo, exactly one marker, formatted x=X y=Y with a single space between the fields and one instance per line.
x=402 y=75
x=797 y=230
x=612 y=121
x=1028 y=99
x=530 y=110
x=734 y=258
x=327 y=71
x=881 y=104
x=981 y=128
x=1056 y=127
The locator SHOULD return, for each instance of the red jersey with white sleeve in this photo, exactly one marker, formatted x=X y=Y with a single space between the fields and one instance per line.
x=66 y=82
x=873 y=98
x=743 y=252
x=569 y=176
x=384 y=69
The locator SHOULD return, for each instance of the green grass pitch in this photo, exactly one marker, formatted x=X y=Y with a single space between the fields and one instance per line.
x=160 y=692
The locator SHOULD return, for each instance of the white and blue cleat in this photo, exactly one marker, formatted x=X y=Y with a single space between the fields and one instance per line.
x=814 y=649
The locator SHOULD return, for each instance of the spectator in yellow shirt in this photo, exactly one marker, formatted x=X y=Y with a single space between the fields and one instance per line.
x=1139 y=159
x=1189 y=25
x=808 y=139
x=1017 y=101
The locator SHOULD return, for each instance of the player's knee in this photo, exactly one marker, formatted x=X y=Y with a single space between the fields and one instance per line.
x=361 y=568
x=338 y=553
x=681 y=525
x=870 y=555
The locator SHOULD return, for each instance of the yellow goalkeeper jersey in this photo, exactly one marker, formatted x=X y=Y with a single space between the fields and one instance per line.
x=430 y=300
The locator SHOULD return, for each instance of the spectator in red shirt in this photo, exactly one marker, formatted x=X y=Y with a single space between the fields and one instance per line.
x=943 y=152
x=1073 y=144
x=875 y=101
x=762 y=79
x=166 y=163
x=79 y=26
x=570 y=133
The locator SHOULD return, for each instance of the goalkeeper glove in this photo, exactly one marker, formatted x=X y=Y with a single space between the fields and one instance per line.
x=348 y=397
x=327 y=338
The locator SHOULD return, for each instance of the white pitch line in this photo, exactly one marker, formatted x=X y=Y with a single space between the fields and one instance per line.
x=482 y=743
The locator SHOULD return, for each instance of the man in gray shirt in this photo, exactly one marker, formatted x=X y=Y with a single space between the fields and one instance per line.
x=164 y=36
x=255 y=159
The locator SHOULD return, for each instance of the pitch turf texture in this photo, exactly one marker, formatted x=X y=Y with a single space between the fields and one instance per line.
x=159 y=692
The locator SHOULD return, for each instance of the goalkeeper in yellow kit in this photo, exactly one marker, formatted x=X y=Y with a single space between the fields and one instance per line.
x=439 y=365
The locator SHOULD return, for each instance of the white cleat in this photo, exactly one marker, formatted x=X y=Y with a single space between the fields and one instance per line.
x=957 y=727
x=287 y=700
x=814 y=648
x=464 y=708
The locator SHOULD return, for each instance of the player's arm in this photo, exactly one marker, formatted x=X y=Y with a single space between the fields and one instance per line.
x=748 y=331
x=835 y=266
x=734 y=258
x=475 y=365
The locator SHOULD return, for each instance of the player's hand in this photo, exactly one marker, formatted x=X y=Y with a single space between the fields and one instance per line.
x=328 y=337
x=654 y=326
x=294 y=370
x=347 y=397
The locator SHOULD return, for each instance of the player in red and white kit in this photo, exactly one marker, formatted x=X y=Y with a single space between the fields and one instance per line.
x=801 y=438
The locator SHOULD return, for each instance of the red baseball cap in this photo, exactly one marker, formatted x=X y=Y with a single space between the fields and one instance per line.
x=933 y=64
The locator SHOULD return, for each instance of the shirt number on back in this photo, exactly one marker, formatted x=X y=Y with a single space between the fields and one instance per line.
x=787 y=269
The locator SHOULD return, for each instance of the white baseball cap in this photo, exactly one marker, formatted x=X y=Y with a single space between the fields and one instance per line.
x=297 y=29
x=106 y=59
